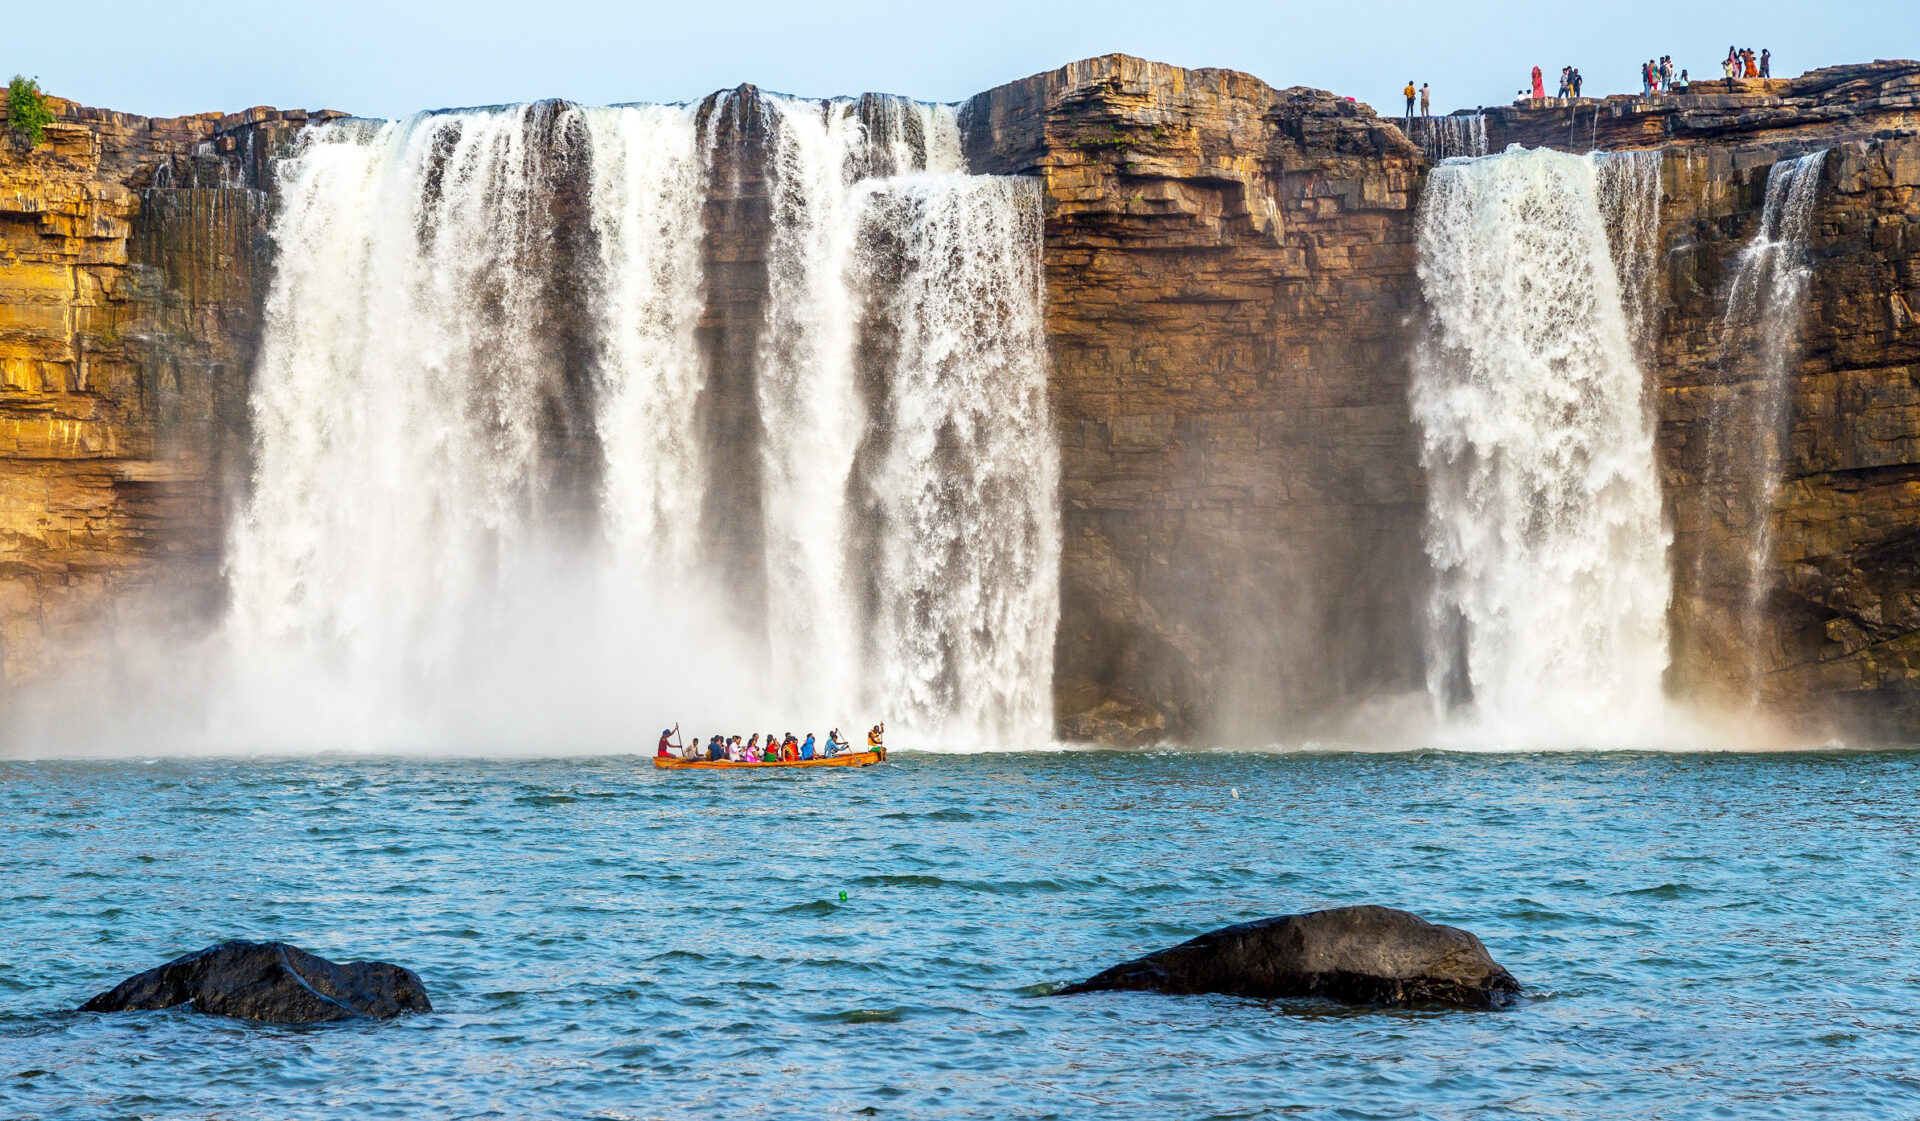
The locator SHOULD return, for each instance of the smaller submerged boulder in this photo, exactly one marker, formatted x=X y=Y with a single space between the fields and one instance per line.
x=270 y=981
x=1355 y=955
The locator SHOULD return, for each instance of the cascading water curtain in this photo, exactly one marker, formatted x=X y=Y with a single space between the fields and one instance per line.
x=1630 y=205
x=965 y=474
x=395 y=401
x=476 y=313
x=648 y=192
x=1544 y=519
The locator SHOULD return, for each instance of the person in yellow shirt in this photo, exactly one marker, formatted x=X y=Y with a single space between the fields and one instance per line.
x=1409 y=91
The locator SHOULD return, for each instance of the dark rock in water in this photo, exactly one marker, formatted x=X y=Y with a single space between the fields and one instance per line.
x=270 y=981
x=1356 y=955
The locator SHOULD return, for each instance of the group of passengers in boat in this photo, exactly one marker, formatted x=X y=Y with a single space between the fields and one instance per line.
x=776 y=749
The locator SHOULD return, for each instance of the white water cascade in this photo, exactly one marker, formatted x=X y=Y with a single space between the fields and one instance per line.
x=1544 y=521
x=454 y=288
x=1629 y=184
x=647 y=195
x=1761 y=331
x=965 y=477
x=1459 y=135
x=395 y=412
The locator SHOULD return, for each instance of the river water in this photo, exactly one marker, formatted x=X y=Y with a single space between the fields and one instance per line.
x=1702 y=935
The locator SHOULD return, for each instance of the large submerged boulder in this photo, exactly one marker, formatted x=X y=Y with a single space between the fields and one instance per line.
x=270 y=981
x=1355 y=955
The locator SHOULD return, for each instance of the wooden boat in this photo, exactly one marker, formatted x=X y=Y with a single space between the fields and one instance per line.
x=849 y=759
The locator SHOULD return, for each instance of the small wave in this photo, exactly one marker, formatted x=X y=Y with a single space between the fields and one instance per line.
x=815 y=907
x=1662 y=891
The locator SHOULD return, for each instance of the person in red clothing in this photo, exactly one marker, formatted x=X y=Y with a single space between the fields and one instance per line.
x=1539 y=87
x=666 y=741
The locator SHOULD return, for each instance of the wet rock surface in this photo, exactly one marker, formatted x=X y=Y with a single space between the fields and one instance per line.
x=270 y=981
x=1355 y=955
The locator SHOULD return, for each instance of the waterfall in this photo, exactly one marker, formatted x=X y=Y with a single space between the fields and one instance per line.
x=648 y=192
x=480 y=406
x=1544 y=520
x=396 y=402
x=1630 y=205
x=964 y=475
x=1451 y=137
x=1760 y=331
x=810 y=411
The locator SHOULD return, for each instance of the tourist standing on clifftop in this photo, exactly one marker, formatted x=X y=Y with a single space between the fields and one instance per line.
x=1578 y=81
x=1426 y=101
x=1409 y=92
x=1539 y=88
x=1766 y=63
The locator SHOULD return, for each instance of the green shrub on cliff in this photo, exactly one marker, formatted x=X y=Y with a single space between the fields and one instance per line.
x=27 y=112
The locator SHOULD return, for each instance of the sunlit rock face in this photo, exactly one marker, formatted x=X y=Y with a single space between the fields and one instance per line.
x=131 y=277
x=1790 y=429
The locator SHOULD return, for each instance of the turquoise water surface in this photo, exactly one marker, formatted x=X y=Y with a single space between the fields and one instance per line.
x=1703 y=936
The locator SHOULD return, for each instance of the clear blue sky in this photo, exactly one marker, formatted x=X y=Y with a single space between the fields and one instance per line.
x=391 y=57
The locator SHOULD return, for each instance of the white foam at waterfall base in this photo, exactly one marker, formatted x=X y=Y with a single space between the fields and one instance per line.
x=1544 y=520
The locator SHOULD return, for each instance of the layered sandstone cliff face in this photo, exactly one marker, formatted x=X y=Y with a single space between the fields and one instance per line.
x=132 y=264
x=1230 y=301
x=1827 y=106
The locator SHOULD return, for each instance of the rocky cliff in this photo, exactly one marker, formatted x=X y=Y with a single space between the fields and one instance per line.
x=1837 y=633
x=1828 y=106
x=1231 y=303
x=132 y=265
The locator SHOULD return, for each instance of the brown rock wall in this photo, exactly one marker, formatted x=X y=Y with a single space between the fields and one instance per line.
x=1818 y=108
x=1229 y=301
x=1841 y=614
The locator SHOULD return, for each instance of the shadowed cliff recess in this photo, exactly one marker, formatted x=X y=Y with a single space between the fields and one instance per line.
x=1182 y=422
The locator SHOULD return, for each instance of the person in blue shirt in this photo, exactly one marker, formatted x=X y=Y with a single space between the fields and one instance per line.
x=806 y=749
x=716 y=751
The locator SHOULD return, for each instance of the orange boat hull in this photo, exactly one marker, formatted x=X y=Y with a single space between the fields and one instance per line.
x=853 y=759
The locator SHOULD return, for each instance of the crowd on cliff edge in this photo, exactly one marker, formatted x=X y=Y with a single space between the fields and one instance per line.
x=1657 y=76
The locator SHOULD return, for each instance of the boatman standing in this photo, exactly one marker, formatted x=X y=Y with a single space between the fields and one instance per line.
x=874 y=736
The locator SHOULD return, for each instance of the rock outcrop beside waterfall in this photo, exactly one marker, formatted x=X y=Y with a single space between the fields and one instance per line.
x=1231 y=302
x=1821 y=108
